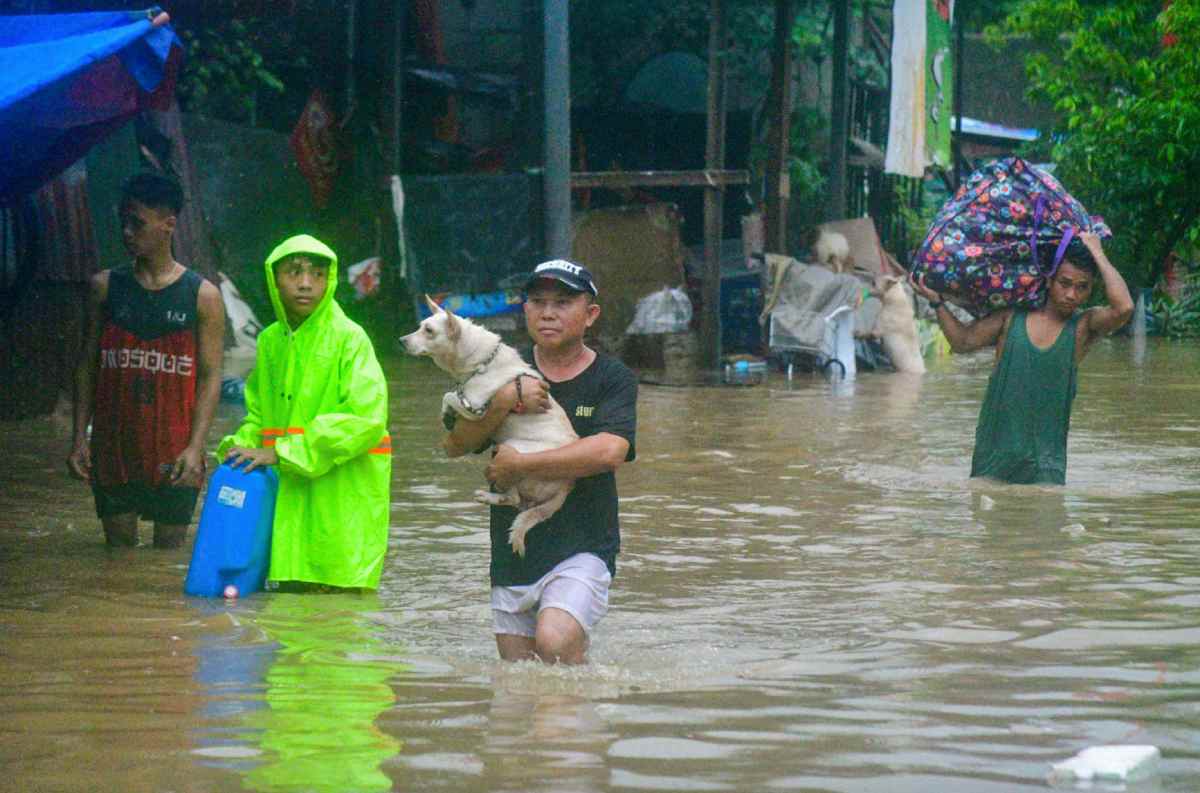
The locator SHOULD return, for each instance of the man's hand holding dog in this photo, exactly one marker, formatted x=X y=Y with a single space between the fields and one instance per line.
x=504 y=469
x=528 y=394
x=473 y=436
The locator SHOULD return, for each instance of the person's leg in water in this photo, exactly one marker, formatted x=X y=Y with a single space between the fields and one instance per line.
x=169 y=535
x=171 y=509
x=558 y=638
x=556 y=627
x=513 y=647
x=120 y=531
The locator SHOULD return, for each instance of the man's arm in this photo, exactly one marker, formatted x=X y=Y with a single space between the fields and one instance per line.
x=602 y=452
x=210 y=347
x=470 y=436
x=1102 y=320
x=79 y=462
x=595 y=454
x=963 y=337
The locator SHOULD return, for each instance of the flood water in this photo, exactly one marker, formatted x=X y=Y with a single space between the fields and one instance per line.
x=812 y=596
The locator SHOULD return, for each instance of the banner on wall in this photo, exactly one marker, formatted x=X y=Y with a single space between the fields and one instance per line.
x=921 y=92
x=939 y=81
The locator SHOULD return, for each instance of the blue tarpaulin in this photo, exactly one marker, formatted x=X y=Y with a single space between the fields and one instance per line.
x=68 y=80
x=485 y=304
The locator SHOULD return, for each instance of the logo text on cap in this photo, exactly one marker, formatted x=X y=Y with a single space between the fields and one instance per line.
x=573 y=269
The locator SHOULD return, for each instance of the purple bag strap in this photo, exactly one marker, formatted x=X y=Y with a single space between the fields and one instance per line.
x=1062 y=251
x=1039 y=206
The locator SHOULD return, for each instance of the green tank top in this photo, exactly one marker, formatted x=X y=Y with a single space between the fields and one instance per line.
x=1021 y=436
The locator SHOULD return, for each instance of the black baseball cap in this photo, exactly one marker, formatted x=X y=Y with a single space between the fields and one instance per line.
x=573 y=276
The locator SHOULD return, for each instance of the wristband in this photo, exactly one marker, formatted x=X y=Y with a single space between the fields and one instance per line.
x=520 y=406
x=937 y=305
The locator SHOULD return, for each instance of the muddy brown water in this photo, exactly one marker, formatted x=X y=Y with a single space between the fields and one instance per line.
x=812 y=596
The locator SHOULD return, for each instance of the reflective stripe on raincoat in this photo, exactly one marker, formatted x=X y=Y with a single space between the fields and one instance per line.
x=318 y=396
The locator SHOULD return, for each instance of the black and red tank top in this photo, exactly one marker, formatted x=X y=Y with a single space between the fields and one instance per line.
x=146 y=382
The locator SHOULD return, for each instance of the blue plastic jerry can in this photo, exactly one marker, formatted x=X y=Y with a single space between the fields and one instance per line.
x=233 y=541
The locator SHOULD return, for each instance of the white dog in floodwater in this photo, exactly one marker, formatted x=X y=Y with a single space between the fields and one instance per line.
x=481 y=364
x=896 y=325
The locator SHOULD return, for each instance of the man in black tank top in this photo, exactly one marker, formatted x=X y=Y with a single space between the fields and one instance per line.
x=148 y=379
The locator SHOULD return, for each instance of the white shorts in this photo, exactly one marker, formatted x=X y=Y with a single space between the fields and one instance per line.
x=577 y=585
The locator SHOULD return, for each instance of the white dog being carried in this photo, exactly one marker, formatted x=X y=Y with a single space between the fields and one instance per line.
x=563 y=421
x=481 y=364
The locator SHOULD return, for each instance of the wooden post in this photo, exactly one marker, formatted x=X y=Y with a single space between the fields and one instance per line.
x=531 y=148
x=556 y=187
x=714 y=194
x=779 y=136
x=839 y=126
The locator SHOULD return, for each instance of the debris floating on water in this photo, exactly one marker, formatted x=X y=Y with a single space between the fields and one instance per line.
x=1120 y=762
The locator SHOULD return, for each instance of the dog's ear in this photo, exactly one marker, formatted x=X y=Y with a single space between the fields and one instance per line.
x=434 y=307
x=453 y=326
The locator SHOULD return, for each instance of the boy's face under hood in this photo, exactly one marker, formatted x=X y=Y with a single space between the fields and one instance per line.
x=299 y=295
x=302 y=282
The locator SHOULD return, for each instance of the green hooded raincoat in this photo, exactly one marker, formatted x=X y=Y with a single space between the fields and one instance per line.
x=318 y=395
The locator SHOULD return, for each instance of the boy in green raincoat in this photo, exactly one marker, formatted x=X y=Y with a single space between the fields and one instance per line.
x=316 y=408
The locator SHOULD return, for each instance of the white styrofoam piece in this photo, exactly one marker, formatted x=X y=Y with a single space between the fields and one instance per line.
x=1122 y=762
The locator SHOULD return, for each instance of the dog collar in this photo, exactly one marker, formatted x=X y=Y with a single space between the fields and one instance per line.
x=462 y=395
x=486 y=361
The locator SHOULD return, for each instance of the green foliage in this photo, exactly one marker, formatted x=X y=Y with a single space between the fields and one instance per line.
x=808 y=133
x=1129 y=146
x=610 y=40
x=1179 y=318
x=807 y=153
x=752 y=28
x=977 y=15
x=915 y=220
x=224 y=72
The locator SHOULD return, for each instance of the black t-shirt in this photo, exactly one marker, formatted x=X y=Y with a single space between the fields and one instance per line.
x=601 y=398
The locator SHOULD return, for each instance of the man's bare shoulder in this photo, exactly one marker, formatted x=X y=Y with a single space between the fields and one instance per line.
x=209 y=296
x=990 y=329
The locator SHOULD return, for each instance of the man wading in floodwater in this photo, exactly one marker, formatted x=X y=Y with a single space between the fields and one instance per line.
x=1021 y=436
x=546 y=603
x=149 y=376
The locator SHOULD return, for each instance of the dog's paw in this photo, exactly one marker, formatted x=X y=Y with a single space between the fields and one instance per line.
x=487 y=497
x=508 y=499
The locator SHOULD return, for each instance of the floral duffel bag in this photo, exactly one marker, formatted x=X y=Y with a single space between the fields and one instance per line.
x=1003 y=234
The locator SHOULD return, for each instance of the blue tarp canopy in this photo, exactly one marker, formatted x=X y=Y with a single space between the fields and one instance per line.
x=68 y=80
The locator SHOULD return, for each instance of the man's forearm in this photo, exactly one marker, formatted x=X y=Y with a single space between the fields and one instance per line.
x=1115 y=288
x=595 y=454
x=208 y=393
x=470 y=435
x=955 y=331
